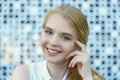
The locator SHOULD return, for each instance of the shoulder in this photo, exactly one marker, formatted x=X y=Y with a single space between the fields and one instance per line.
x=21 y=72
x=36 y=66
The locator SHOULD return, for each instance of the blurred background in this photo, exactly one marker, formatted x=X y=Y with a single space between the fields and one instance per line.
x=20 y=30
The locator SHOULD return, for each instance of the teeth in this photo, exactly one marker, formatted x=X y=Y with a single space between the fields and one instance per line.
x=52 y=51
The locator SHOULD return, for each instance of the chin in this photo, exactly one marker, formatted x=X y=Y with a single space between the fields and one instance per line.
x=52 y=60
x=56 y=61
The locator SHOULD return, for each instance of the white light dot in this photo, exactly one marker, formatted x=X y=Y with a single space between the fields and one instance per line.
x=114 y=1
x=108 y=50
x=16 y=5
x=45 y=1
x=118 y=45
x=103 y=11
x=85 y=5
x=9 y=48
x=114 y=69
x=16 y=50
x=97 y=62
x=34 y=11
x=35 y=37
x=97 y=28
x=114 y=34
x=5 y=39
x=39 y=50
x=27 y=28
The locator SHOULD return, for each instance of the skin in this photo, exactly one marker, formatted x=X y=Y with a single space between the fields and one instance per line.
x=59 y=43
x=58 y=38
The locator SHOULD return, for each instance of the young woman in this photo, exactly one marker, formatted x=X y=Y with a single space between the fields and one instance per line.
x=63 y=41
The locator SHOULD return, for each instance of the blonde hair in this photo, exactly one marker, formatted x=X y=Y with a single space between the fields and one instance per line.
x=75 y=18
x=79 y=24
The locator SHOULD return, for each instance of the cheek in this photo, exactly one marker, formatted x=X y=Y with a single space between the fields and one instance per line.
x=43 y=40
x=69 y=47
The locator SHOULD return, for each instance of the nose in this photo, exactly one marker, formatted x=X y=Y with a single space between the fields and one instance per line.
x=54 y=40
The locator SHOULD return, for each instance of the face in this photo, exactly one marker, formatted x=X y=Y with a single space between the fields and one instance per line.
x=57 y=39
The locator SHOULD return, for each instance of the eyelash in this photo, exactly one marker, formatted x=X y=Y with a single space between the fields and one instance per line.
x=66 y=38
x=48 y=32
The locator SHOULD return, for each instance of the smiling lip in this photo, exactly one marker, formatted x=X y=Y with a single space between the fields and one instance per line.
x=52 y=52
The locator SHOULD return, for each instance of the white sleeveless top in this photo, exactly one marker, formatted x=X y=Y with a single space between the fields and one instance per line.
x=39 y=71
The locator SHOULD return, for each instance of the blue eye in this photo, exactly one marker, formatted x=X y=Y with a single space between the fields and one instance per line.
x=66 y=38
x=48 y=32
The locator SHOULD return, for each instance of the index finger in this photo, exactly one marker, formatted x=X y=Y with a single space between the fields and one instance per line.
x=82 y=46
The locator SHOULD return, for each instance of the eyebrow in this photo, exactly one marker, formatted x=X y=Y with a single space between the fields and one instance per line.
x=63 y=33
x=68 y=34
x=48 y=28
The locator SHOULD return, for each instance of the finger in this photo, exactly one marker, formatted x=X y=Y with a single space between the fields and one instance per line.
x=75 y=53
x=83 y=59
x=77 y=60
x=82 y=46
x=73 y=62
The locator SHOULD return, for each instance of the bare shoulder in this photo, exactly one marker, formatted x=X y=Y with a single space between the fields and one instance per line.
x=21 y=73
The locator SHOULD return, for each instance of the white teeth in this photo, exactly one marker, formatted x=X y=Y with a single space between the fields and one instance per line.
x=52 y=51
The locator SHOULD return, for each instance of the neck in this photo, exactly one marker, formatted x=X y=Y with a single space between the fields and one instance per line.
x=57 y=71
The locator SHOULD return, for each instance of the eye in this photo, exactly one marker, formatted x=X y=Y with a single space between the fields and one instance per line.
x=48 y=32
x=66 y=38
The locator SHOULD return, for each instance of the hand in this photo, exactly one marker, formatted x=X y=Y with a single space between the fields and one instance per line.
x=82 y=59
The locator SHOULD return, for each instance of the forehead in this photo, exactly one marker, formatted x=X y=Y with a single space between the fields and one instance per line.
x=58 y=22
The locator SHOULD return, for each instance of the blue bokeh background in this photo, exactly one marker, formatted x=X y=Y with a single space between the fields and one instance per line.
x=20 y=30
